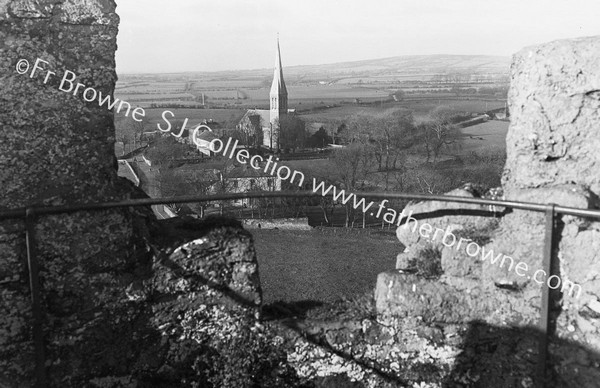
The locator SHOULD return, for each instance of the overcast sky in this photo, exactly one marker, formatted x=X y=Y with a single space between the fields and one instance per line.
x=201 y=35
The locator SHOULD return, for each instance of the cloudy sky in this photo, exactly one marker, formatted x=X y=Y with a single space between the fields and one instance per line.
x=201 y=35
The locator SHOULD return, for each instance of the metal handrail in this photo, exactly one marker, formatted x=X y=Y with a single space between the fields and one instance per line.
x=31 y=213
x=531 y=206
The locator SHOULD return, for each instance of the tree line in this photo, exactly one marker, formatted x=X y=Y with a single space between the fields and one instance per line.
x=392 y=152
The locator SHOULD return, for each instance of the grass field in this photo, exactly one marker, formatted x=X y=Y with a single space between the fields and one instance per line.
x=252 y=88
x=322 y=264
x=488 y=135
x=195 y=116
x=419 y=106
x=252 y=92
x=323 y=91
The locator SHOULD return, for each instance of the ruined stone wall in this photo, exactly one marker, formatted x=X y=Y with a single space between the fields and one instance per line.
x=57 y=149
x=552 y=150
x=124 y=299
x=552 y=157
x=554 y=100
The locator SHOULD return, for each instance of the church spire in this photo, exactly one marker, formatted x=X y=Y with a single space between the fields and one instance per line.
x=278 y=86
x=279 y=103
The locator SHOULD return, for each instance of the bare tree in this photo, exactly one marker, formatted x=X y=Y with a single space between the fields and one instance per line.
x=439 y=132
x=392 y=133
x=387 y=135
x=426 y=186
x=173 y=184
x=135 y=130
x=352 y=165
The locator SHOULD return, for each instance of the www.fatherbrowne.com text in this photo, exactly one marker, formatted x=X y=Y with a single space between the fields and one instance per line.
x=69 y=84
x=391 y=216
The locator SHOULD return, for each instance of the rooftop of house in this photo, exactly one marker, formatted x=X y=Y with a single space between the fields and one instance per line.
x=206 y=135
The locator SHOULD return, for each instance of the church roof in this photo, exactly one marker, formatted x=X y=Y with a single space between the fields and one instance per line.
x=278 y=85
x=259 y=117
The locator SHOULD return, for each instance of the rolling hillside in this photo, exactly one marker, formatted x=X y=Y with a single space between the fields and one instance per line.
x=401 y=66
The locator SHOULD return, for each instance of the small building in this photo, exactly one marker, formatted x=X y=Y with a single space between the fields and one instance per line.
x=202 y=141
x=243 y=179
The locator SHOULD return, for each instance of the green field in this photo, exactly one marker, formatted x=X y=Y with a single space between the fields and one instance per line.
x=322 y=264
x=343 y=113
x=247 y=92
x=419 y=106
x=485 y=136
x=195 y=116
x=328 y=92
x=250 y=89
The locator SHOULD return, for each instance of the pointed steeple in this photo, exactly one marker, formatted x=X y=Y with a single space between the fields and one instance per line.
x=278 y=85
x=278 y=102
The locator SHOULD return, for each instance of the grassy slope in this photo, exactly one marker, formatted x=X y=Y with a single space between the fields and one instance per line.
x=419 y=107
x=491 y=134
x=322 y=265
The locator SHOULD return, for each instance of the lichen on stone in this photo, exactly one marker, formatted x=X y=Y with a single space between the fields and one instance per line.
x=83 y=12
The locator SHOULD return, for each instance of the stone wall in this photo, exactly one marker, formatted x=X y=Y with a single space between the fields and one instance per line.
x=278 y=223
x=552 y=157
x=552 y=149
x=56 y=149
x=126 y=301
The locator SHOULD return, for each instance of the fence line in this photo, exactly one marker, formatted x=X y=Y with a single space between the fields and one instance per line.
x=31 y=213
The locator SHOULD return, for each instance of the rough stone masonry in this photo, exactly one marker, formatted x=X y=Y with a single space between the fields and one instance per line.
x=57 y=150
x=123 y=298
x=552 y=157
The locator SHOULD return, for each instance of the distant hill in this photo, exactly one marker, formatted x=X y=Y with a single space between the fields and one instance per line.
x=393 y=71
x=416 y=64
x=407 y=64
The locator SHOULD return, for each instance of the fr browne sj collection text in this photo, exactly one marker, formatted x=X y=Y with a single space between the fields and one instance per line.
x=69 y=84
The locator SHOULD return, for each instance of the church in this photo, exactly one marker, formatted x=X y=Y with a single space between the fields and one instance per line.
x=261 y=126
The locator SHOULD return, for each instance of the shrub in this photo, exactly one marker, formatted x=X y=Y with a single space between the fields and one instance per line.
x=480 y=236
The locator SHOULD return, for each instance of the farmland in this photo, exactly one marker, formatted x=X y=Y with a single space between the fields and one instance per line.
x=195 y=116
x=419 y=106
x=225 y=96
x=485 y=136
x=427 y=81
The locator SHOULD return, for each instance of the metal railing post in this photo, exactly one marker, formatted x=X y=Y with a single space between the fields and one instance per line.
x=544 y=324
x=30 y=215
x=36 y=308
